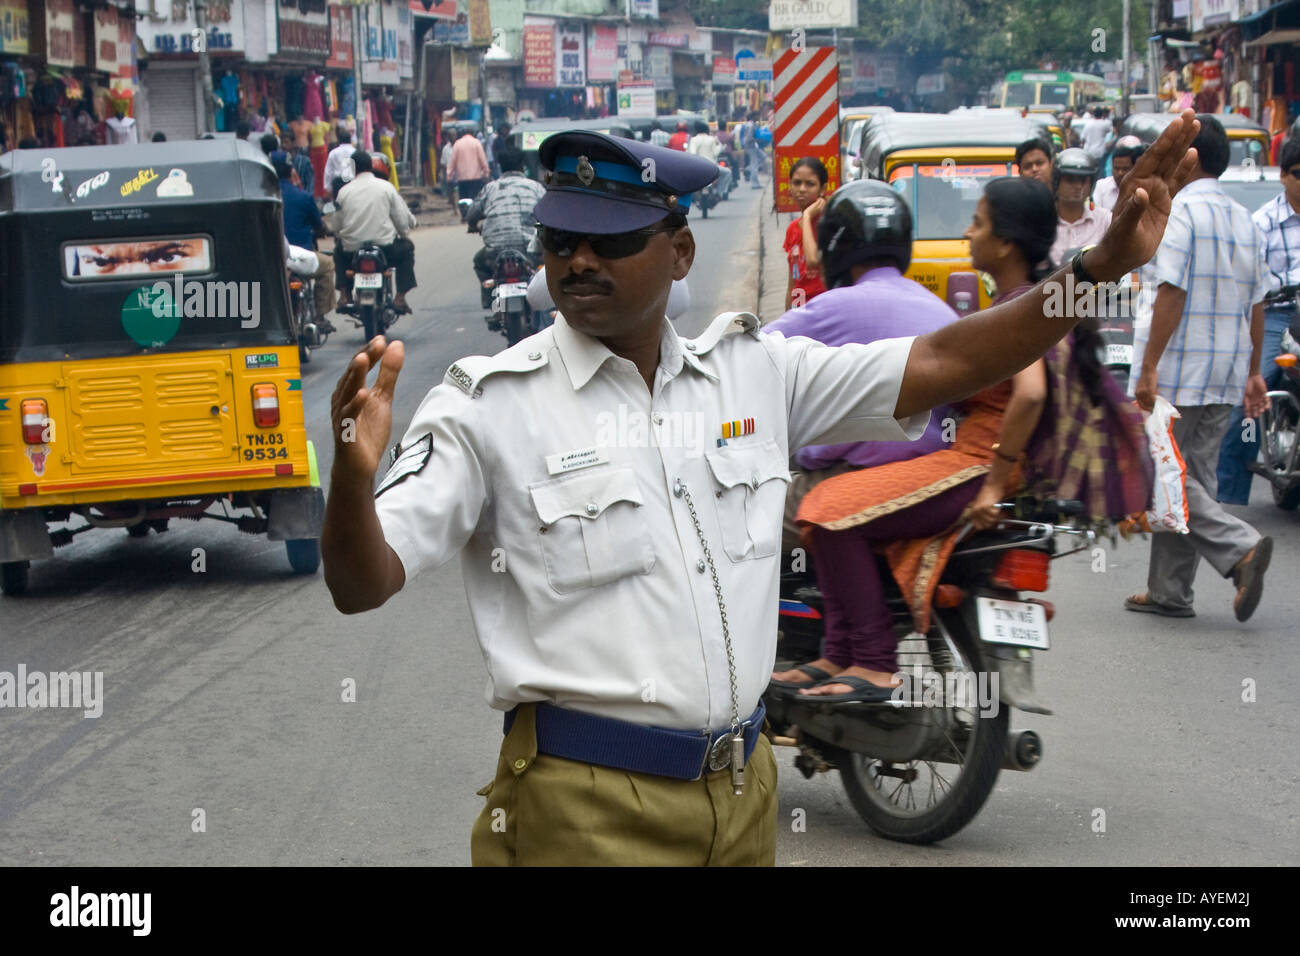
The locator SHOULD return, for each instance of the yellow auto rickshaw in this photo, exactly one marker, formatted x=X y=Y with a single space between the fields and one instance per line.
x=148 y=357
x=940 y=164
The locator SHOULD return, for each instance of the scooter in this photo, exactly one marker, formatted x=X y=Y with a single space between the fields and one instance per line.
x=919 y=766
x=373 y=290
x=1281 y=453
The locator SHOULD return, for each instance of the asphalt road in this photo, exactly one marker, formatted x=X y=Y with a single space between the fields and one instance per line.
x=224 y=690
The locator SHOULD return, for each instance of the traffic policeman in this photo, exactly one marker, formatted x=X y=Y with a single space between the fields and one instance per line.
x=616 y=494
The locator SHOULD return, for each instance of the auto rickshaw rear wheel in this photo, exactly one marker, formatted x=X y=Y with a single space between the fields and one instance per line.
x=13 y=577
x=303 y=554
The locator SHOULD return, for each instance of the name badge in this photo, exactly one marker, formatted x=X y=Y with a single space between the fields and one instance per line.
x=566 y=461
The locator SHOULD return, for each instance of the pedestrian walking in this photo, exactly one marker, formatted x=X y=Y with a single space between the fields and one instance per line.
x=1198 y=344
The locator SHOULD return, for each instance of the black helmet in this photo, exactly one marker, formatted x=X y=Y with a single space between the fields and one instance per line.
x=1073 y=162
x=863 y=220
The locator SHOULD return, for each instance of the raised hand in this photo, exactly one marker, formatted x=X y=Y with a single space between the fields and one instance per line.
x=362 y=417
x=1142 y=209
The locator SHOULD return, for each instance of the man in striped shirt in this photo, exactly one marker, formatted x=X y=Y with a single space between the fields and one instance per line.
x=1279 y=220
x=1198 y=345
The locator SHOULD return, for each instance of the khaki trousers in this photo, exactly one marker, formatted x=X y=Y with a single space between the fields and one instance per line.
x=549 y=811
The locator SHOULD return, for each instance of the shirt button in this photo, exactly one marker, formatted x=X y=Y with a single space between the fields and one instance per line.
x=521 y=763
x=658 y=418
x=591 y=508
x=690 y=346
x=700 y=565
x=753 y=481
x=534 y=356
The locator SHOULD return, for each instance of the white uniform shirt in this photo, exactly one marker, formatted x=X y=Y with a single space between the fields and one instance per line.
x=370 y=210
x=1093 y=137
x=706 y=145
x=586 y=579
x=1105 y=193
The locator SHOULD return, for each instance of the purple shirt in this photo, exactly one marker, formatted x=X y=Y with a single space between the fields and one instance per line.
x=880 y=305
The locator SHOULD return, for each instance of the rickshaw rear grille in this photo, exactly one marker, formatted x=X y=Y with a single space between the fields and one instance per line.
x=185 y=438
x=101 y=394
x=183 y=388
x=114 y=442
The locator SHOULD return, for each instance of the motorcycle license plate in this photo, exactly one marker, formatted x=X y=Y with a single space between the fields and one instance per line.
x=369 y=280
x=1119 y=354
x=1012 y=622
x=513 y=288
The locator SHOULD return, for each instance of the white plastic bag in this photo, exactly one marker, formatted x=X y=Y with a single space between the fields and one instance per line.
x=1169 y=498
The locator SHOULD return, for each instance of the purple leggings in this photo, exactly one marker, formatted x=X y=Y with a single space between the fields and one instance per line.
x=859 y=626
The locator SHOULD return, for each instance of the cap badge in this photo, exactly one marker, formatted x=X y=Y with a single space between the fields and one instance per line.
x=586 y=172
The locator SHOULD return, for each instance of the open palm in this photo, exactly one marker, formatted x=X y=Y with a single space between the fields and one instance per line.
x=363 y=417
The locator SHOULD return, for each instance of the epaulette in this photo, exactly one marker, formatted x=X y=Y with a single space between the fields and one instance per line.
x=468 y=373
x=728 y=323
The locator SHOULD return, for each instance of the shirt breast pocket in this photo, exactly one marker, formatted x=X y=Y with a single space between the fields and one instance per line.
x=750 y=484
x=592 y=529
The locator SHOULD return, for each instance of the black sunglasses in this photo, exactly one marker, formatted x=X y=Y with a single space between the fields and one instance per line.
x=616 y=245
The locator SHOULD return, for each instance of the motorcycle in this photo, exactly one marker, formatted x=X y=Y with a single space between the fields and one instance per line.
x=1281 y=464
x=506 y=294
x=373 y=290
x=918 y=767
x=709 y=197
x=302 y=264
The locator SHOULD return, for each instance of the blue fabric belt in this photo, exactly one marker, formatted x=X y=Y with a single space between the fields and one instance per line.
x=634 y=747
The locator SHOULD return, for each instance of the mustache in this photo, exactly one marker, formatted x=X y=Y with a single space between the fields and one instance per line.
x=599 y=285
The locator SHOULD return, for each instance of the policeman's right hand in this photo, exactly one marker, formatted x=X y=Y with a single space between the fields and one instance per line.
x=362 y=417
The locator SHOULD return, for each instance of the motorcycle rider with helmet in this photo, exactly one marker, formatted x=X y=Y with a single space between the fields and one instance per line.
x=865 y=235
x=1080 y=222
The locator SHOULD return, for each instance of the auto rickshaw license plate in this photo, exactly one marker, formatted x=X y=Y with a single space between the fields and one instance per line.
x=371 y=280
x=1118 y=353
x=1012 y=622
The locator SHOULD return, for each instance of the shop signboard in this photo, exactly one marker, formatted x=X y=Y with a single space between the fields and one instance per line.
x=753 y=69
x=724 y=71
x=785 y=15
x=864 y=72
x=453 y=32
x=379 y=30
x=304 y=26
x=106 y=39
x=480 y=23
x=659 y=66
x=340 y=56
x=440 y=9
x=124 y=75
x=60 y=42
x=602 y=54
x=636 y=100
x=648 y=9
x=539 y=55
x=570 y=54
x=887 y=74
x=929 y=83
x=14 y=26
x=176 y=33
x=460 y=76
x=405 y=41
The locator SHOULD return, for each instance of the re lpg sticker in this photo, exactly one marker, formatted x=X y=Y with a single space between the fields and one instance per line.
x=262 y=360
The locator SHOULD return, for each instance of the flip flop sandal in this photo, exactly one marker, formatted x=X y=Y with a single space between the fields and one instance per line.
x=816 y=673
x=864 y=692
x=1142 y=602
x=1250 y=580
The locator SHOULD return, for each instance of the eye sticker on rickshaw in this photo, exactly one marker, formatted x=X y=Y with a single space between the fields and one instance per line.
x=177 y=183
x=86 y=261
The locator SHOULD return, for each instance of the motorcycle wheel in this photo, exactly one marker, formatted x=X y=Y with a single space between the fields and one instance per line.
x=514 y=327
x=13 y=577
x=1280 y=434
x=925 y=801
x=368 y=322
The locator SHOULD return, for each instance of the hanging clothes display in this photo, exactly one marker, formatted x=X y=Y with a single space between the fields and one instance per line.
x=330 y=89
x=319 y=153
x=386 y=147
x=312 y=106
x=348 y=97
x=295 y=94
x=228 y=91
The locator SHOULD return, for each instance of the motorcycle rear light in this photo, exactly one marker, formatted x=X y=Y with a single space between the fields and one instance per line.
x=368 y=265
x=266 y=406
x=1022 y=570
x=35 y=415
x=1286 y=360
x=949 y=595
x=27 y=489
x=295 y=285
x=963 y=292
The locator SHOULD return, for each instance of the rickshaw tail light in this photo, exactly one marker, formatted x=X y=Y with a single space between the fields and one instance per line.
x=295 y=284
x=1022 y=570
x=1286 y=360
x=266 y=406
x=35 y=416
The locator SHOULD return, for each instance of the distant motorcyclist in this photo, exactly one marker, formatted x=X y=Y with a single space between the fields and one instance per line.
x=705 y=144
x=302 y=223
x=1080 y=222
x=505 y=210
x=371 y=210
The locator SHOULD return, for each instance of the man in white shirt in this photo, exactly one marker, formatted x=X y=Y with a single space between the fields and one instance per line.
x=1127 y=151
x=706 y=145
x=619 y=534
x=1079 y=223
x=338 y=164
x=1093 y=135
x=371 y=210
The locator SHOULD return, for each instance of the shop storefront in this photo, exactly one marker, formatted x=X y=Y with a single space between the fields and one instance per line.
x=171 y=98
x=555 y=70
x=15 y=77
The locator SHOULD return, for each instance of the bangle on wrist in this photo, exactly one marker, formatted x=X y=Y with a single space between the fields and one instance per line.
x=997 y=450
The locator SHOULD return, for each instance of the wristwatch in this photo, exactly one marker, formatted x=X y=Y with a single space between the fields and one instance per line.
x=1076 y=266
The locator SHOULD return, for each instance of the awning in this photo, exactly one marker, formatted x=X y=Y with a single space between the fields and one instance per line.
x=1274 y=36
x=1259 y=15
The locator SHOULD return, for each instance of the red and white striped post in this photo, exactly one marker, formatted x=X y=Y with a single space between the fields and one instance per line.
x=807 y=119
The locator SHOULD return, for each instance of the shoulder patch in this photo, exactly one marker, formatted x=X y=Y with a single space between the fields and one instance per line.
x=406 y=462
x=468 y=373
x=728 y=323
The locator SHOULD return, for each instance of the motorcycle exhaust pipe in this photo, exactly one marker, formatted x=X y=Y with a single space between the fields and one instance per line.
x=1024 y=751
